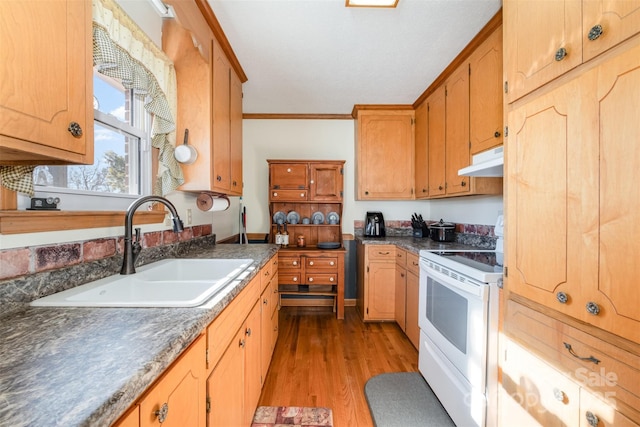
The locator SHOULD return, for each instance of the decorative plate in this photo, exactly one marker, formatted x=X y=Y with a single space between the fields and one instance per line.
x=293 y=217
x=333 y=218
x=279 y=216
x=317 y=216
x=328 y=245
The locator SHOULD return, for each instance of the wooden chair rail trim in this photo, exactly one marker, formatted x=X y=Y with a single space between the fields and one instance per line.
x=18 y=222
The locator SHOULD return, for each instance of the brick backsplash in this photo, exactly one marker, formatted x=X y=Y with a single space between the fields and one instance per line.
x=35 y=259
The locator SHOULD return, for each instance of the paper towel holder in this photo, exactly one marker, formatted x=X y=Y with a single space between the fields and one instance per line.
x=209 y=201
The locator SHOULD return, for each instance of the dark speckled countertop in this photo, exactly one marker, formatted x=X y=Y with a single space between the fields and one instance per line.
x=86 y=366
x=415 y=245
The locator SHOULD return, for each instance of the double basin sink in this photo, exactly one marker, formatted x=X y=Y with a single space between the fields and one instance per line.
x=166 y=283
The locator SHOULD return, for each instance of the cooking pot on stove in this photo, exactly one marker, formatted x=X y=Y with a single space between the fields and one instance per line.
x=442 y=231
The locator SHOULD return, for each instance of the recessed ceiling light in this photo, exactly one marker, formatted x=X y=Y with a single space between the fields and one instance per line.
x=371 y=3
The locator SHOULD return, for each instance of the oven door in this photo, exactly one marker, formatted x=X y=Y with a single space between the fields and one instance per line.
x=454 y=315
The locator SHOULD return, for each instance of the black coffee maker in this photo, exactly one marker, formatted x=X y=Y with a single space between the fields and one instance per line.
x=374 y=225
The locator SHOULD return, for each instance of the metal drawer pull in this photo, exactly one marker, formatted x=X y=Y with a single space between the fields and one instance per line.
x=562 y=297
x=592 y=419
x=162 y=412
x=593 y=308
x=561 y=54
x=595 y=32
x=574 y=354
x=558 y=395
x=383 y=253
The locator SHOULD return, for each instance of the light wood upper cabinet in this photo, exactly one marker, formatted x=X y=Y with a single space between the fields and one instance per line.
x=46 y=84
x=485 y=94
x=422 y=151
x=572 y=176
x=436 y=135
x=542 y=40
x=384 y=154
x=209 y=105
x=457 y=131
x=326 y=182
x=574 y=31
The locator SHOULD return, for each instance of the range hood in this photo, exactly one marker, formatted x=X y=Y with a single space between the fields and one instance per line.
x=487 y=163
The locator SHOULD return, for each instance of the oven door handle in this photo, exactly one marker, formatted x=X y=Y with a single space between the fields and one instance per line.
x=472 y=289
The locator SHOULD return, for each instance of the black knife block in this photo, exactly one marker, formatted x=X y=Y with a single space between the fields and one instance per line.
x=421 y=232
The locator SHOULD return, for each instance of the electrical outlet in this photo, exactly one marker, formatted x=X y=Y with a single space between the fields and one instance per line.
x=188 y=218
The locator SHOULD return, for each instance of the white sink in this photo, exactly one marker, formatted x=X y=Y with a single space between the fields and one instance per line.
x=167 y=283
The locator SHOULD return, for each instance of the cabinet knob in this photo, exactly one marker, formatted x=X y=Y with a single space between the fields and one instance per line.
x=310 y=279
x=312 y=182
x=366 y=193
x=161 y=413
x=592 y=419
x=75 y=129
x=463 y=183
x=265 y=301
x=247 y=332
x=242 y=343
x=331 y=263
x=562 y=297
x=310 y=262
x=218 y=178
x=595 y=32
x=424 y=190
x=561 y=54
x=593 y=308
x=440 y=187
x=275 y=194
x=288 y=170
x=331 y=279
x=302 y=194
x=295 y=262
x=558 y=395
x=295 y=279
x=497 y=134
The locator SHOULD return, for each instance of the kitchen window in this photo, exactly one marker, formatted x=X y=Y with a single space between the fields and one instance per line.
x=121 y=171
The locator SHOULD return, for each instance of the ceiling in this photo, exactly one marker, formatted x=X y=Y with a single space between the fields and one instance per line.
x=320 y=57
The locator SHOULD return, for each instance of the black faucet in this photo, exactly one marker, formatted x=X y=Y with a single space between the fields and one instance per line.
x=132 y=249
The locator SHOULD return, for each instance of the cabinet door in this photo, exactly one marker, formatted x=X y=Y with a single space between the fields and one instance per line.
x=535 y=32
x=221 y=120
x=384 y=155
x=616 y=103
x=252 y=362
x=400 y=297
x=326 y=183
x=485 y=94
x=552 y=205
x=457 y=130
x=381 y=291
x=422 y=154
x=593 y=408
x=225 y=386
x=179 y=394
x=235 y=137
x=412 y=329
x=46 y=82
x=266 y=338
x=533 y=393
x=618 y=20
x=130 y=419
x=289 y=176
x=436 y=136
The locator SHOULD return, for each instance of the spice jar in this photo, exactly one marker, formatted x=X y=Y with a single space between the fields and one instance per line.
x=301 y=242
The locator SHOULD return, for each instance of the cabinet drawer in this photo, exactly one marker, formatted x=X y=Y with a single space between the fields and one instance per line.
x=266 y=274
x=321 y=279
x=288 y=278
x=382 y=252
x=289 y=263
x=321 y=263
x=288 y=176
x=413 y=264
x=401 y=257
x=288 y=195
x=617 y=372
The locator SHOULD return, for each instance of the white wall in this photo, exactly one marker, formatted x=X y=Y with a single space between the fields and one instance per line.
x=334 y=140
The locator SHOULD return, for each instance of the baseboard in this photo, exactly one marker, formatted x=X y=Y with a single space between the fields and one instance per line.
x=349 y=302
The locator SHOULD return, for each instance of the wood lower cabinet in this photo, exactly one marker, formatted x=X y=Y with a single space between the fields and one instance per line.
x=178 y=398
x=401 y=289
x=376 y=281
x=570 y=138
x=268 y=316
x=47 y=82
x=561 y=353
x=384 y=154
x=406 y=295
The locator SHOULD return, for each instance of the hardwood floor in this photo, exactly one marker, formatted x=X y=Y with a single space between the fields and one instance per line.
x=322 y=361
